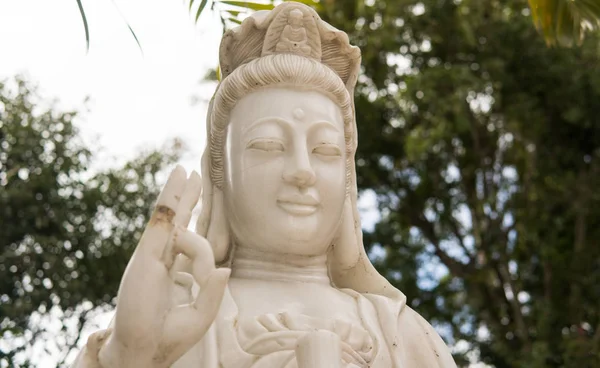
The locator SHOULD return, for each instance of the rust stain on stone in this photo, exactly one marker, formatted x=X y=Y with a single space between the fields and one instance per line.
x=162 y=214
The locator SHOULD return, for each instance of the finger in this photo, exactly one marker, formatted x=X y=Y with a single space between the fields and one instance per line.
x=185 y=325
x=183 y=279
x=169 y=253
x=182 y=264
x=198 y=250
x=157 y=233
x=181 y=292
x=210 y=296
x=168 y=199
x=189 y=199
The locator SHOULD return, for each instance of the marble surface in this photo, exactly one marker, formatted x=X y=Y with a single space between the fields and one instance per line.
x=276 y=274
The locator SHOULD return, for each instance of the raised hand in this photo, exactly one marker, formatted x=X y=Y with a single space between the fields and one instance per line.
x=148 y=330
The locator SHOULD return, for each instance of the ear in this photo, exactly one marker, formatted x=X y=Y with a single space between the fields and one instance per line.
x=212 y=223
x=345 y=246
x=218 y=232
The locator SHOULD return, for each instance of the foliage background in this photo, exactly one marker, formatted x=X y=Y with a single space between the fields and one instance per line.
x=481 y=143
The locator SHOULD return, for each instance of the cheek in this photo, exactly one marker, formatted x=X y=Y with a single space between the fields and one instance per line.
x=258 y=181
x=331 y=183
x=248 y=169
x=253 y=189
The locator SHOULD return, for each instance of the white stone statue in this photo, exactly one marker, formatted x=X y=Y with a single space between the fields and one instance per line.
x=276 y=275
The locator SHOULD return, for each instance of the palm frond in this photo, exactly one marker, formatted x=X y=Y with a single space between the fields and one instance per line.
x=128 y=26
x=87 y=29
x=200 y=9
x=565 y=22
x=85 y=25
x=249 y=5
x=232 y=12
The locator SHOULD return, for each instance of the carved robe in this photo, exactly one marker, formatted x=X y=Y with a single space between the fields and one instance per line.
x=389 y=335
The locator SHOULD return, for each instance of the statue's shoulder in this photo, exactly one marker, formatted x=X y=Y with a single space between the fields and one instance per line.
x=419 y=344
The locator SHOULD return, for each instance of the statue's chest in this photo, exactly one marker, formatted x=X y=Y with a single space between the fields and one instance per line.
x=316 y=301
x=268 y=319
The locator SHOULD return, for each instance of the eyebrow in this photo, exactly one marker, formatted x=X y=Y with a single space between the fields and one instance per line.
x=325 y=124
x=267 y=119
x=287 y=125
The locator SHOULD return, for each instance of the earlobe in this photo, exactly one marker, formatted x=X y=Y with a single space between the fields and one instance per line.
x=207 y=192
x=345 y=248
x=218 y=233
x=212 y=223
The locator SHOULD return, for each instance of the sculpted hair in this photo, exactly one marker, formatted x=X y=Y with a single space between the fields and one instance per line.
x=278 y=70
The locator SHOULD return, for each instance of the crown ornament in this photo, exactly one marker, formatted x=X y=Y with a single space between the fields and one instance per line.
x=292 y=28
x=294 y=38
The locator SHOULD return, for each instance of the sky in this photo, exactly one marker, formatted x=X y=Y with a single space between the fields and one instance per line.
x=138 y=99
x=135 y=100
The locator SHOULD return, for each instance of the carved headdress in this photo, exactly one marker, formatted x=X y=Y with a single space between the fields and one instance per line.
x=291 y=28
x=289 y=46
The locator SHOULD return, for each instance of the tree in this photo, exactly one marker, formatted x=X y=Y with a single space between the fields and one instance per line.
x=483 y=147
x=562 y=22
x=66 y=230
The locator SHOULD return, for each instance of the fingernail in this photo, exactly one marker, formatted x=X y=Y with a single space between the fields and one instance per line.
x=226 y=272
x=195 y=175
x=179 y=168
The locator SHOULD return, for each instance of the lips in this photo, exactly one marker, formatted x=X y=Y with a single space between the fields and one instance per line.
x=301 y=205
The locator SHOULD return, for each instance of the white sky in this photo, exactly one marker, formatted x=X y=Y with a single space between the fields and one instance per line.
x=136 y=100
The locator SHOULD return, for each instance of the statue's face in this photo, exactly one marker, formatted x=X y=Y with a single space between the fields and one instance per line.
x=285 y=171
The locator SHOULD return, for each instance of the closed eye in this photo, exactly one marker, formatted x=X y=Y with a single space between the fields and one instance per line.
x=328 y=150
x=268 y=145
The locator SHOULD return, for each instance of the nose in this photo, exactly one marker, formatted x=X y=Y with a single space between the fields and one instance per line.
x=299 y=171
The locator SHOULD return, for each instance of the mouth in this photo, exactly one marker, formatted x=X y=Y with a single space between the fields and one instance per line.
x=300 y=206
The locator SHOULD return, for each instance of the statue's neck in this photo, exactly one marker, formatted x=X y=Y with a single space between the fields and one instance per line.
x=260 y=265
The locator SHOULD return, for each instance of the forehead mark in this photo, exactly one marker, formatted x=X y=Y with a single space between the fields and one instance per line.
x=298 y=113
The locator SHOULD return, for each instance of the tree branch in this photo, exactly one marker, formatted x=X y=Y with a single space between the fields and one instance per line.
x=514 y=303
x=456 y=231
x=596 y=340
x=81 y=322
x=455 y=267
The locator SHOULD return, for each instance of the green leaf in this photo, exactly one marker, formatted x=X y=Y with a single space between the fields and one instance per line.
x=564 y=25
x=233 y=13
x=200 y=9
x=128 y=26
x=565 y=22
x=249 y=5
x=211 y=75
x=135 y=38
x=590 y=11
x=85 y=25
x=317 y=5
x=234 y=20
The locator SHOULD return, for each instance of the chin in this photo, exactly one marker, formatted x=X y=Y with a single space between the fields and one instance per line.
x=305 y=249
x=301 y=228
x=305 y=242
x=301 y=237
x=306 y=232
